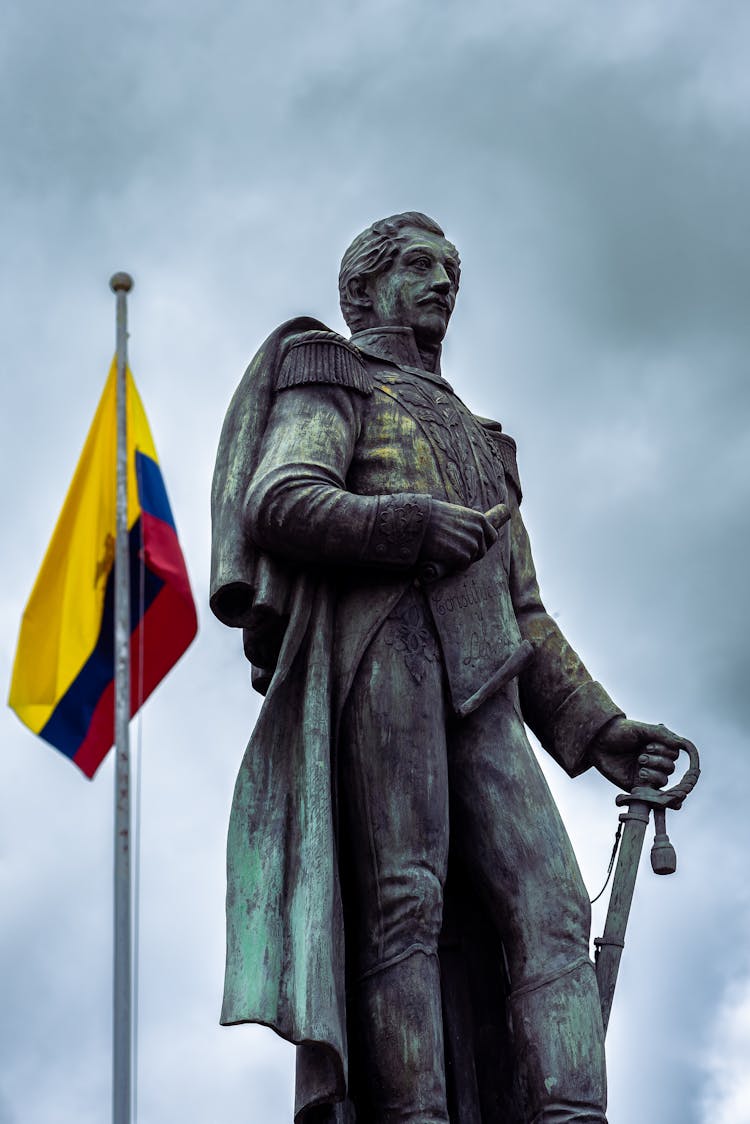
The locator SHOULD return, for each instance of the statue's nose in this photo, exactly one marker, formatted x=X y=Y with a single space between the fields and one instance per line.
x=441 y=282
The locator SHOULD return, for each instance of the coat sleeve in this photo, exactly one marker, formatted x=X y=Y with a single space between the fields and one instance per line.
x=298 y=505
x=560 y=701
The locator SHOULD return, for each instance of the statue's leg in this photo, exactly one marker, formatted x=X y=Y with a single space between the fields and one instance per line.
x=393 y=848
x=513 y=841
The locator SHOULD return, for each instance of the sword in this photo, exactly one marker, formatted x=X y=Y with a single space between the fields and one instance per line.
x=639 y=803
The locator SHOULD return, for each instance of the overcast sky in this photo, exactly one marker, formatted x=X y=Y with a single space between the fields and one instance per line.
x=592 y=164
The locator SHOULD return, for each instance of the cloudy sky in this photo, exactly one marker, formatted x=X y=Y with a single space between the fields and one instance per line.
x=592 y=163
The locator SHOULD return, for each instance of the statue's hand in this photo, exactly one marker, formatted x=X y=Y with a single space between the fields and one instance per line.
x=630 y=753
x=456 y=536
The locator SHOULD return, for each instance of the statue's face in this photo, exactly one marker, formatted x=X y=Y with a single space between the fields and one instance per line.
x=419 y=289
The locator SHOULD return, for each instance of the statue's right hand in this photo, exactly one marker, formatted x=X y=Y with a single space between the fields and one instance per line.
x=456 y=536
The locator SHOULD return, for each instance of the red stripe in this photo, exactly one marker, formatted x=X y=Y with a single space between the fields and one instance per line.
x=167 y=629
x=100 y=735
x=163 y=553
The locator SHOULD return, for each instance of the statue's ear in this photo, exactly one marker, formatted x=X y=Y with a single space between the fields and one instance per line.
x=357 y=291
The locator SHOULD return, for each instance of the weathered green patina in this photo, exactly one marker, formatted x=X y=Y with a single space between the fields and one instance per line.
x=403 y=901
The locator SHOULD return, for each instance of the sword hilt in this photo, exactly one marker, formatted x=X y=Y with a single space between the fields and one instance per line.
x=673 y=797
x=663 y=854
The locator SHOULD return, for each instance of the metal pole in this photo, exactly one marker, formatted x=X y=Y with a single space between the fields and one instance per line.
x=122 y=1027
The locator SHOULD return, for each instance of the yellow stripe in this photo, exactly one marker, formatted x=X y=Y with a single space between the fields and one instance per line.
x=62 y=619
x=139 y=438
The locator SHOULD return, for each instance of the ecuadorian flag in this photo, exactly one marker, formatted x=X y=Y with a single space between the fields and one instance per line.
x=63 y=676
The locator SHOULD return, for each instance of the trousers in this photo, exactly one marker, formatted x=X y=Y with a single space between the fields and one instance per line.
x=412 y=781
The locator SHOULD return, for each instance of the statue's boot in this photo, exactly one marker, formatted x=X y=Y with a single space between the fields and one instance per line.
x=397 y=1066
x=559 y=1037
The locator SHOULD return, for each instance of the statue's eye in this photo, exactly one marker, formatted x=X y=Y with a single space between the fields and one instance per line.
x=422 y=263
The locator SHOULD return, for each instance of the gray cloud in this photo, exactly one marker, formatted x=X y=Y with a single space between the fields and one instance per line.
x=592 y=167
x=726 y=1096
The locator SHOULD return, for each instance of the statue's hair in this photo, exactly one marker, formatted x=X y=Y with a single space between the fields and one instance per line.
x=373 y=251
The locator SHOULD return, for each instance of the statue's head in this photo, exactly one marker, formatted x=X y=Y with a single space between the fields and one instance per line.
x=401 y=272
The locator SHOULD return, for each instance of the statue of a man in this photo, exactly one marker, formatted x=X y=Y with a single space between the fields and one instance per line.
x=400 y=636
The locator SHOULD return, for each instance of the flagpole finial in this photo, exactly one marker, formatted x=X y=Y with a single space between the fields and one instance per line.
x=121 y=282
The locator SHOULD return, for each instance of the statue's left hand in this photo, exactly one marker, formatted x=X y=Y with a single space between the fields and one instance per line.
x=629 y=753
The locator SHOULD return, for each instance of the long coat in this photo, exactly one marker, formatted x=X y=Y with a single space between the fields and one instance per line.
x=285 y=924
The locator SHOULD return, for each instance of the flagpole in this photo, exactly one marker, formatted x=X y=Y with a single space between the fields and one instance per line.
x=122 y=1026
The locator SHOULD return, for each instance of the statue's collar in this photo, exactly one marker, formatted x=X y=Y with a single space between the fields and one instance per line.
x=398 y=346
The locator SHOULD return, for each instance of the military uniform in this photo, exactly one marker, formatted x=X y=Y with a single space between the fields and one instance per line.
x=357 y=443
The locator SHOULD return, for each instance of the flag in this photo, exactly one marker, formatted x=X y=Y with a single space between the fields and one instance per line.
x=63 y=677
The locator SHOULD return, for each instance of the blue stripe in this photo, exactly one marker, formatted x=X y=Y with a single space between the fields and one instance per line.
x=151 y=491
x=68 y=725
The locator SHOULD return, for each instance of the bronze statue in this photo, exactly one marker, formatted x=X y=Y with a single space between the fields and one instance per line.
x=403 y=901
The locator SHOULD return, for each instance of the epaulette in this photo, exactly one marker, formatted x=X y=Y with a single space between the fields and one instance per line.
x=505 y=447
x=323 y=357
